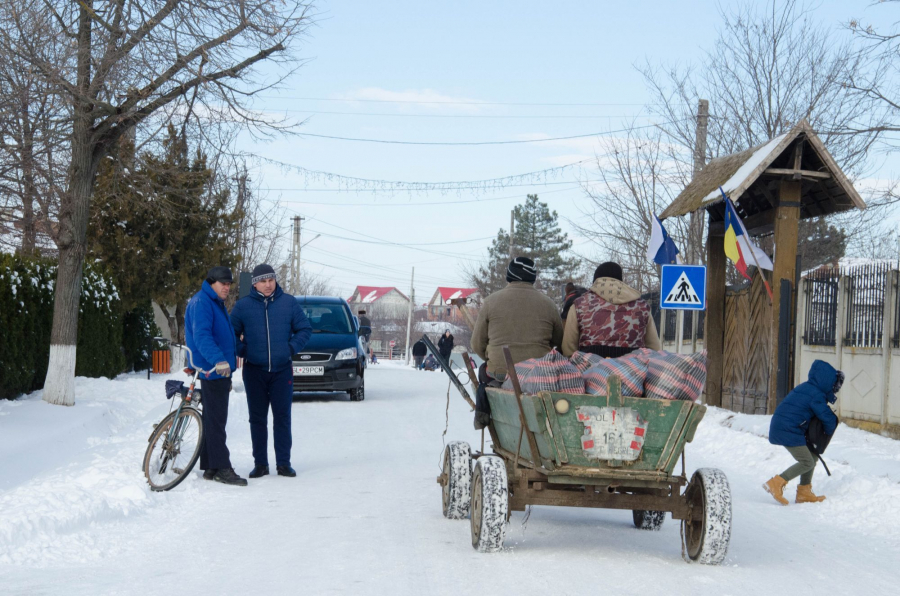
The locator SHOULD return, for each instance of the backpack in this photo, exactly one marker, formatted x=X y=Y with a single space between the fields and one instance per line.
x=817 y=441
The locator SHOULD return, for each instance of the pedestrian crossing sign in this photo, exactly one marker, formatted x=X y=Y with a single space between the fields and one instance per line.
x=683 y=287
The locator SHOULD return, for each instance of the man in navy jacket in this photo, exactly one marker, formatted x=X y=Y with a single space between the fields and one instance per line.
x=789 y=425
x=208 y=334
x=270 y=328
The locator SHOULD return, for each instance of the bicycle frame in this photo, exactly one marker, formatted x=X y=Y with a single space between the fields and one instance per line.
x=177 y=430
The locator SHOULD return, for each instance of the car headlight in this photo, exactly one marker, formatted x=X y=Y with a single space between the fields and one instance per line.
x=348 y=354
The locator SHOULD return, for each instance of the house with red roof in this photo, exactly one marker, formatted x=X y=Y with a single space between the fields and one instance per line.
x=440 y=307
x=379 y=302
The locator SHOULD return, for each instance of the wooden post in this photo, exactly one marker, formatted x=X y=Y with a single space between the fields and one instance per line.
x=714 y=336
x=787 y=223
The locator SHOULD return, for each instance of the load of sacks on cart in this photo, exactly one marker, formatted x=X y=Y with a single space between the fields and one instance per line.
x=648 y=373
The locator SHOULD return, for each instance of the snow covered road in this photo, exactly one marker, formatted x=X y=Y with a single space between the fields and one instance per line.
x=364 y=514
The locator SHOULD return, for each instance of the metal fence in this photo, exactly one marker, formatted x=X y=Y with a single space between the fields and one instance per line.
x=669 y=325
x=821 y=307
x=896 y=339
x=865 y=304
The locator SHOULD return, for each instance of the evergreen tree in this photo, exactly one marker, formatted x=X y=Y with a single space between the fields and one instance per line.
x=538 y=236
x=159 y=226
x=820 y=243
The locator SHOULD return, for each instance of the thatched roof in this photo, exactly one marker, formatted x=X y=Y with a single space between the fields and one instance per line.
x=750 y=179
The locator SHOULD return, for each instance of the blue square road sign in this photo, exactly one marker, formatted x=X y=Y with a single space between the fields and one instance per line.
x=683 y=287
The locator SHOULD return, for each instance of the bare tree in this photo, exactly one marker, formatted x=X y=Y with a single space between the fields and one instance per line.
x=120 y=64
x=32 y=155
x=767 y=70
x=637 y=181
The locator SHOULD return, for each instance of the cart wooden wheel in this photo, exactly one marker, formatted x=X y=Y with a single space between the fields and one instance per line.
x=708 y=532
x=648 y=520
x=456 y=480
x=490 y=504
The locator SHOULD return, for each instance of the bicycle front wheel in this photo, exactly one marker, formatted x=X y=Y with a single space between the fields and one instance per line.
x=174 y=449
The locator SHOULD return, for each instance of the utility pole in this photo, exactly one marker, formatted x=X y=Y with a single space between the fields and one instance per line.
x=412 y=298
x=512 y=234
x=295 y=256
x=696 y=221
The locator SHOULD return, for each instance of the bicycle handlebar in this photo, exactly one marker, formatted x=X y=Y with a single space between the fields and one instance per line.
x=191 y=358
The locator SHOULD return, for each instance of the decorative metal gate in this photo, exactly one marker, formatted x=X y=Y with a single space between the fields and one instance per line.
x=748 y=349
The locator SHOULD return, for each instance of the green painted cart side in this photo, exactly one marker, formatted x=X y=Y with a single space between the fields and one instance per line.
x=552 y=419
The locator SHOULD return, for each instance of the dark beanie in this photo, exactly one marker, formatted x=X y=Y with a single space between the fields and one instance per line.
x=608 y=269
x=521 y=269
x=219 y=273
x=261 y=272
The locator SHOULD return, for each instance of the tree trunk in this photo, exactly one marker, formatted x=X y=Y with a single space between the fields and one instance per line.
x=29 y=229
x=59 y=386
x=179 y=316
x=172 y=321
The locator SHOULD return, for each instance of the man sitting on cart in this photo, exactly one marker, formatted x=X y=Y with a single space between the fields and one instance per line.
x=611 y=319
x=518 y=316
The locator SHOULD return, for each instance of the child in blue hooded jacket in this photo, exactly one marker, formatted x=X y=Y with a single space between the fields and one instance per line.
x=789 y=425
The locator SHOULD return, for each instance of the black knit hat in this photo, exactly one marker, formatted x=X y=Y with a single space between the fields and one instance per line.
x=521 y=269
x=261 y=272
x=222 y=274
x=608 y=269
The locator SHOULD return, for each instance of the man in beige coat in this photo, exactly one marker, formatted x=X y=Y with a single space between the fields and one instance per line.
x=610 y=320
x=518 y=316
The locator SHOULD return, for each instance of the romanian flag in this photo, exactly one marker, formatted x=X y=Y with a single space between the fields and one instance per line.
x=738 y=246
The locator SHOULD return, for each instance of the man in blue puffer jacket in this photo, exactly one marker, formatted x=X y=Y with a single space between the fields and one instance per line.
x=789 y=425
x=208 y=334
x=270 y=328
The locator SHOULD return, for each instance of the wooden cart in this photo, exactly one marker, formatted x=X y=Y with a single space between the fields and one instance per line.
x=568 y=450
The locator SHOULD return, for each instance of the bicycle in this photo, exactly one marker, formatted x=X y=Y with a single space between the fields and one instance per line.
x=176 y=440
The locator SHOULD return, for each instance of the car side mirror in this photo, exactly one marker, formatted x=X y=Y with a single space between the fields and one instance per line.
x=365 y=330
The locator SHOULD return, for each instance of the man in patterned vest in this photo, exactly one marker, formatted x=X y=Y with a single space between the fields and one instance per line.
x=610 y=320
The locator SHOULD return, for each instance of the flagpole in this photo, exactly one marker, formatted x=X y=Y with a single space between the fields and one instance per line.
x=752 y=253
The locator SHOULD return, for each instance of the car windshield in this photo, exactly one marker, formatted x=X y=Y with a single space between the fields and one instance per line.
x=328 y=318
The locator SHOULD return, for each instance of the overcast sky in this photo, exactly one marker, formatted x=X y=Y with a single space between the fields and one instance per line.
x=547 y=69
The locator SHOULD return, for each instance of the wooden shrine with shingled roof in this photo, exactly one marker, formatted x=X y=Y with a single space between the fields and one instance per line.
x=749 y=339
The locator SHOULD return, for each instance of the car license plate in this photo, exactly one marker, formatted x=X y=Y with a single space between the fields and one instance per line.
x=309 y=371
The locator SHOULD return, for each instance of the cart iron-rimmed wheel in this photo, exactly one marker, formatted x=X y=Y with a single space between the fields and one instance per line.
x=648 y=520
x=490 y=504
x=708 y=532
x=456 y=480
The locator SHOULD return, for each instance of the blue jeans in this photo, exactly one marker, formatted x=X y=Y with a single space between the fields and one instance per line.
x=264 y=389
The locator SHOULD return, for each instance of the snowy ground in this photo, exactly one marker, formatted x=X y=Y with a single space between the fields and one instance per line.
x=364 y=516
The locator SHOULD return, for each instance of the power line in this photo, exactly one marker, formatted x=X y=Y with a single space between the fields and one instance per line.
x=410 y=244
x=487 y=116
x=574 y=186
x=450 y=102
x=539 y=177
x=482 y=143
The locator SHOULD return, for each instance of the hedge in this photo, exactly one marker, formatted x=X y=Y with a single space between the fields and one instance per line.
x=26 y=316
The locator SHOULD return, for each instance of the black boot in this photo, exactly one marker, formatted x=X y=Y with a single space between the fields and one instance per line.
x=227 y=476
x=259 y=471
x=286 y=471
x=209 y=474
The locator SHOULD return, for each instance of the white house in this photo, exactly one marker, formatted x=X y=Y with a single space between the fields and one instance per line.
x=379 y=302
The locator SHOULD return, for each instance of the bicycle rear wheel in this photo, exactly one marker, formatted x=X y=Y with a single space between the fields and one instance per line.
x=174 y=449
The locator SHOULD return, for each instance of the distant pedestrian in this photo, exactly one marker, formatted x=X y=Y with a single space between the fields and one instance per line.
x=789 y=425
x=271 y=327
x=210 y=337
x=445 y=346
x=419 y=350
